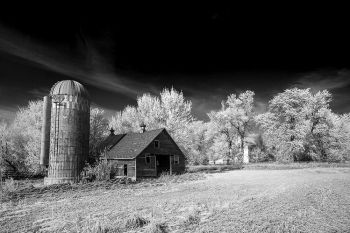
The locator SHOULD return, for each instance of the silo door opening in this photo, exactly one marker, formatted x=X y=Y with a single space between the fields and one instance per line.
x=125 y=170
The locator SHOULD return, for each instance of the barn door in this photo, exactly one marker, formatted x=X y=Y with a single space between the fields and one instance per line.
x=125 y=170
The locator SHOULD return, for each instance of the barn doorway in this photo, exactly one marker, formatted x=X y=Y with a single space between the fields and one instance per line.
x=125 y=170
x=163 y=164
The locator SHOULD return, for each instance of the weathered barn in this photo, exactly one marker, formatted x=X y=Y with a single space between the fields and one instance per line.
x=146 y=154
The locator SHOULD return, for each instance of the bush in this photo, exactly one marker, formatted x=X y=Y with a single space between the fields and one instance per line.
x=257 y=155
x=101 y=171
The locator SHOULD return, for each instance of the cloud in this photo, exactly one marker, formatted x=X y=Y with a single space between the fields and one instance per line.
x=93 y=69
x=318 y=81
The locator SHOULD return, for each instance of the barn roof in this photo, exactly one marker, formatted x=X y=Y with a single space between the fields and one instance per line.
x=109 y=142
x=132 y=144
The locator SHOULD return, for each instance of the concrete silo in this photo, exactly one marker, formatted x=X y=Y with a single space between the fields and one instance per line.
x=67 y=132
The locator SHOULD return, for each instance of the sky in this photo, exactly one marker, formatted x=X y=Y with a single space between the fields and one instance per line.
x=205 y=52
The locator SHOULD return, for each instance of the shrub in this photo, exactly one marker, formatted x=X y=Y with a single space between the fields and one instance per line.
x=258 y=155
x=101 y=171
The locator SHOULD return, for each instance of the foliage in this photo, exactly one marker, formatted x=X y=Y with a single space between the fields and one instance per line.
x=198 y=143
x=300 y=126
x=20 y=141
x=229 y=126
x=259 y=155
x=100 y=171
x=98 y=131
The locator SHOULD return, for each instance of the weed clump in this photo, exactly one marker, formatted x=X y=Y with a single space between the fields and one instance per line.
x=135 y=221
x=157 y=226
x=193 y=218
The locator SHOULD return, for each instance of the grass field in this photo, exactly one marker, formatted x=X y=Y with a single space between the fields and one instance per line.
x=291 y=200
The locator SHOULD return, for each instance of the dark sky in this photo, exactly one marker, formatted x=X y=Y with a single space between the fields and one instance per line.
x=207 y=52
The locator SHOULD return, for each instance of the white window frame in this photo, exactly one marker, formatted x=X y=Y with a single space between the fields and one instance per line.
x=154 y=144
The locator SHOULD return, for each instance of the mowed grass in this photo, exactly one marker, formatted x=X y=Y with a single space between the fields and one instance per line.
x=294 y=200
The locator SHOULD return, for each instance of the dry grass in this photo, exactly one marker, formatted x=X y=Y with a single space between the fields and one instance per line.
x=300 y=165
x=157 y=226
x=297 y=200
x=213 y=168
x=135 y=221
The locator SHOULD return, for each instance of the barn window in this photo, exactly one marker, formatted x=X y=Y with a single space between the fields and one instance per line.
x=176 y=159
x=156 y=144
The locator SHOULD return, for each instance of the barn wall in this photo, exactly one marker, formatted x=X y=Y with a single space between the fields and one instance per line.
x=118 y=167
x=167 y=147
x=143 y=169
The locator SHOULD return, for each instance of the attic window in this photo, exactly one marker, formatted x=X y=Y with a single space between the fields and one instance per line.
x=156 y=144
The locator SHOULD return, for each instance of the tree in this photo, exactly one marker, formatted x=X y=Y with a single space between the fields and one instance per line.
x=298 y=125
x=125 y=121
x=198 y=143
x=149 y=111
x=337 y=145
x=176 y=115
x=233 y=121
x=25 y=134
x=98 y=131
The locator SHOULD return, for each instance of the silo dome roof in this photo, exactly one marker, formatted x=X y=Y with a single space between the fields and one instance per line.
x=69 y=87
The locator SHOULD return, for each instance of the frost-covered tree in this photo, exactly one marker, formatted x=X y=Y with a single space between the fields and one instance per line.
x=149 y=111
x=125 y=121
x=337 y=144
x=170 y=111
x=176 y=115
x=198 y=143
x=26 y=133
x=98 y=131
x=298 y=125
x=232 y=122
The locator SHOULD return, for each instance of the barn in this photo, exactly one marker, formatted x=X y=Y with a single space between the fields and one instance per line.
x=145 y=154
